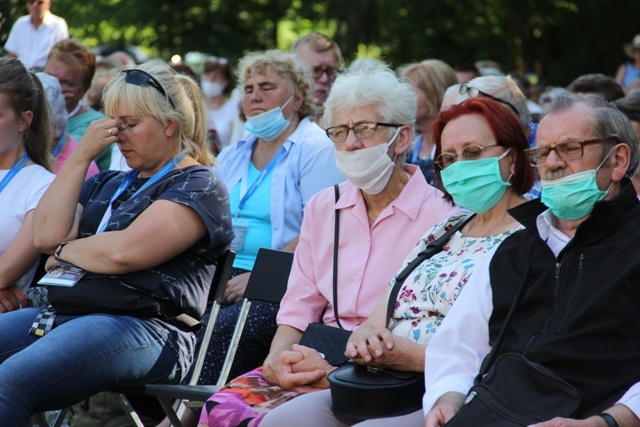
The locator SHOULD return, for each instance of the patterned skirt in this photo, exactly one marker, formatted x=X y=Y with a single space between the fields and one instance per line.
x=243 y=402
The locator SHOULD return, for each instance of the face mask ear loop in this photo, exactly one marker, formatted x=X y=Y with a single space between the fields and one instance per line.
x=605 y=159
x=285 y=104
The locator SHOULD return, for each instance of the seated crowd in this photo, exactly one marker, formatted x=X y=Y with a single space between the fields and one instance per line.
x=130 y=181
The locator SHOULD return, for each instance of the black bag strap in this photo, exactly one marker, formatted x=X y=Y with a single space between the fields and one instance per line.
x=497 y=346
x=428 y=252
x=335 y=258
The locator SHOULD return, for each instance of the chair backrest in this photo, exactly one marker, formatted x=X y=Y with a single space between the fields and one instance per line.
x=269 y=277
x=268 y=282
x=216 y=292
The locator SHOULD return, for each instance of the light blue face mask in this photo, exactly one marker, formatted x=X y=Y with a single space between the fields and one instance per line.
x=475 y=185
x=573 y=196
x=270 y=124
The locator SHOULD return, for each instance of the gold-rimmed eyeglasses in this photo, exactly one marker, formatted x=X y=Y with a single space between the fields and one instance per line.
x=364 y=130
x=470 y=152
x=568 y=150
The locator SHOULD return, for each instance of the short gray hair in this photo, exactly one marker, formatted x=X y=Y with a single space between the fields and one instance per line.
x=57 y=108
x=608 y=121
x=379 y=87
x=503 y=88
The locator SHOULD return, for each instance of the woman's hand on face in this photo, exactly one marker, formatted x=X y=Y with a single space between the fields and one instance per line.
x=12 y=299
x=367 y=344
x=99 y=135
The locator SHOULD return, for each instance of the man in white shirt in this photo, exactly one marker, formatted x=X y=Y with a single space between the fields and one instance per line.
x=579 y=312
x=32 y=36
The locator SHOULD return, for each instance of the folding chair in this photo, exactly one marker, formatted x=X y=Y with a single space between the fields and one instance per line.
x=216 y=293
x=268 y=282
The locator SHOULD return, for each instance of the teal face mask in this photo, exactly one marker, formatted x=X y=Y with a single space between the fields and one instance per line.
x=475 y=185
x=270 y=124
x=573 y=196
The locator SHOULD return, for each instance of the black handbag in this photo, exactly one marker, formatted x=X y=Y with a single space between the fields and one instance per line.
x=363 y=392
x=511 y=391
x=329 y=341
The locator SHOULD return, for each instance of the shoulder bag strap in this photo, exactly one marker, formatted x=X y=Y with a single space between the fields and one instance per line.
x=497 y=345
x=427 y=253
x=335 y=258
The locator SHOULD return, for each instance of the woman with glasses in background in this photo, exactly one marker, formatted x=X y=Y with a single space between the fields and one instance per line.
x=481 y=162
x=152 y=234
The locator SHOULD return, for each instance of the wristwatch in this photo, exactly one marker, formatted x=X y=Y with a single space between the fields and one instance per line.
x=56 y=254
x=611 y=422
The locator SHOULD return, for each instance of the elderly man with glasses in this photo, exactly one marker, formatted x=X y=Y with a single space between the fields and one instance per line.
x=578 y=267
x=324 y=57
x=32 y=36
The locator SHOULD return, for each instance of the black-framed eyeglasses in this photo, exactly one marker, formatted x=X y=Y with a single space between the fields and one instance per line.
x=364 y=130
x=138 y=77
x=470 y=152
x=332 y=73
x=568 y=150
x=474 y=92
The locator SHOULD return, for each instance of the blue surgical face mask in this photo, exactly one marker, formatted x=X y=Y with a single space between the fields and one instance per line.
x=573 y=196
x=475 y=185
x=270 y=124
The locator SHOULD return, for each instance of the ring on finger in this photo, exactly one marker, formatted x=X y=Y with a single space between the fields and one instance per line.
x=109 y=130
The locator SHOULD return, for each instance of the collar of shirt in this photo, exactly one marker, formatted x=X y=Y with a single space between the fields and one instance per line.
x=405 y=202
x=555 y=239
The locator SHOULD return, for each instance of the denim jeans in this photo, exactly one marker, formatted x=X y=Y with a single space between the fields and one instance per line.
x=81 y=356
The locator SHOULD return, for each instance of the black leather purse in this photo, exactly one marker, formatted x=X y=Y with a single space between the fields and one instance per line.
x=362 y=392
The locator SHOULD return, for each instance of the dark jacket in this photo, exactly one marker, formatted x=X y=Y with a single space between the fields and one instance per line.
x=580 y=313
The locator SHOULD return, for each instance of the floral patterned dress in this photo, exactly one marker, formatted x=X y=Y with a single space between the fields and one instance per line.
x=431 y=289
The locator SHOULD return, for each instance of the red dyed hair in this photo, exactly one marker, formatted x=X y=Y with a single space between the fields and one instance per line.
x=506 y=129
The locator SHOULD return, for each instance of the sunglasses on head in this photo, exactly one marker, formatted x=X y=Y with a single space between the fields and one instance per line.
x=139 y=77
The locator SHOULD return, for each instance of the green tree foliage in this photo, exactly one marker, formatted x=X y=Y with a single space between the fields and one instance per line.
x=560 y=39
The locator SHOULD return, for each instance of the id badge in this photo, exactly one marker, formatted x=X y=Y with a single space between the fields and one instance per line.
x=240 y=228
x=63 y=274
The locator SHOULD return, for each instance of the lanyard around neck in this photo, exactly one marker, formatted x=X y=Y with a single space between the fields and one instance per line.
x=59 y=145
x=128 y=180
x=17 y=166
x=263 y=174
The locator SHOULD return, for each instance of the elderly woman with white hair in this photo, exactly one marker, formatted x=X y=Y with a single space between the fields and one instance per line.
x=370 y=115
x=62 y=143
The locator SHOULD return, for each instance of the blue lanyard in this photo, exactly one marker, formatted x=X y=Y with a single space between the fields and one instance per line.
x=128 y=180
x=59 y=145
x=416 y=151
x=268 y=168
x=13 y=171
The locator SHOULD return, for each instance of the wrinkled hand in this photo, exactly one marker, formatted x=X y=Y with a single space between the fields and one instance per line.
x=567 y=422
x=236 y=287
x=311 y=362
x=279 y=371
x=12 y=299
x=368 y=345
x=99 y=135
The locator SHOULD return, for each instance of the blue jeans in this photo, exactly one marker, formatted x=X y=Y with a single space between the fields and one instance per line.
x=81 y=356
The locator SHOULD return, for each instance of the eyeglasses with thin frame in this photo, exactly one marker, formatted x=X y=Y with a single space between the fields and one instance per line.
x=364 y=130
x=470 y=152
x=474 y=92
x=568 y=150
x=139 y=77
x=332 y=73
